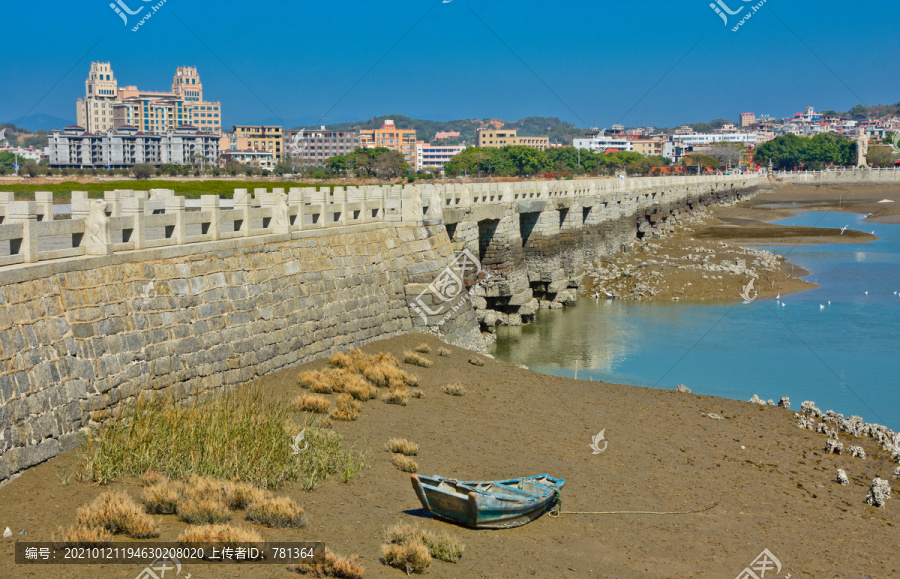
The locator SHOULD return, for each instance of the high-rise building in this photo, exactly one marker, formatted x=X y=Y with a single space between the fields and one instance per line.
x=748 y=119
x=312 y=147
x=428 y=155
x=389 y=136
x=106 y=106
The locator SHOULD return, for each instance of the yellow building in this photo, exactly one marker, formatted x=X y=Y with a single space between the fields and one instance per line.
x=390 y=137
x=494 y=139
x=255 y=137
x=647 y=146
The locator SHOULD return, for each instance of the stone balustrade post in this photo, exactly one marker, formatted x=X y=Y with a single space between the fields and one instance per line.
x=25 y=213
x=97 y=239
x=113 y=203
x=209 y=204
x=176 y=232
x=339 y=205
x=135 y=207
x=243 y=203
x=6 y=197
x=295 y=200
x=44 y=201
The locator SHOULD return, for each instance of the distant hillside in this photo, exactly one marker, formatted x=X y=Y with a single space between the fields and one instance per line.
x=559 y=131
x=40 y=122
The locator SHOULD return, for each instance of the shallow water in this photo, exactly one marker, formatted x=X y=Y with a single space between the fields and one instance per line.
x=844 y=356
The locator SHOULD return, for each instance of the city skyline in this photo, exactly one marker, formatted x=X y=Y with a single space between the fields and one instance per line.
x=430 y=60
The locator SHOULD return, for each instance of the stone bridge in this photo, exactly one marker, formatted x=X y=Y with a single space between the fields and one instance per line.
x=151 y=292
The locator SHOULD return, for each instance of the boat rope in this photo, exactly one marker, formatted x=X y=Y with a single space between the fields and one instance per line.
x=556 y=512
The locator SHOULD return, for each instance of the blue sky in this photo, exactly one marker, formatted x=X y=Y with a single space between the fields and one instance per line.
x=658 y=62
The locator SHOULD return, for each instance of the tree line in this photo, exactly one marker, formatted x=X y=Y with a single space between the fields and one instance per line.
x=524 y=161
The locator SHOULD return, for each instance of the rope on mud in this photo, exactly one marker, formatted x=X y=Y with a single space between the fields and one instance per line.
x=556 y=512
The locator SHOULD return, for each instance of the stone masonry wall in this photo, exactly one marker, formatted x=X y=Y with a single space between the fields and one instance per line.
x=81 y=338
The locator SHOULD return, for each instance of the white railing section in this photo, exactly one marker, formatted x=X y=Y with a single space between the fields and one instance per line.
x=126 y=220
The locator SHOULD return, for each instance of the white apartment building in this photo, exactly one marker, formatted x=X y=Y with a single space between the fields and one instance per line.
x=711 y=139
x=435 y=155
x=603 y=143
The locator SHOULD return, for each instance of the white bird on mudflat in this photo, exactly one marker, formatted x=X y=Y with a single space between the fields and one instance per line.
x=867 y=293
x=821 y=307
x=829 y=302
x=844 y=228
x=783 y=304
x=778 y=297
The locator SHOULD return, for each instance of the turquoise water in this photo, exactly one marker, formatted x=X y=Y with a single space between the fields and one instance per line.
x=844 y=356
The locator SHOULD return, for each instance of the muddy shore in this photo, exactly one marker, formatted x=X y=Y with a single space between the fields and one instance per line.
x=751 y=480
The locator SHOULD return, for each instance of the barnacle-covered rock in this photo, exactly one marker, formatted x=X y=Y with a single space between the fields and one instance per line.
x=842 y=477
x=879 y=493
x=809 y=407
x=757 y=400
x=857 y=451
x=832 y=445
x=785 y=402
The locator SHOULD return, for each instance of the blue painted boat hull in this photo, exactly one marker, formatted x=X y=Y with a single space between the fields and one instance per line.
x=488 y=504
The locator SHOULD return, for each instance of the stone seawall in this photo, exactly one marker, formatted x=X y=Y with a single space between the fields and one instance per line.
x=80 y=338
x=842 y=177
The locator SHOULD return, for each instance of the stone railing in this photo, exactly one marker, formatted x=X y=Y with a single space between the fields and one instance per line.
x=126 y=220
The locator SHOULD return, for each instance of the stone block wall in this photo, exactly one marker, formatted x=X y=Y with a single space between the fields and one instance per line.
x=81 y=338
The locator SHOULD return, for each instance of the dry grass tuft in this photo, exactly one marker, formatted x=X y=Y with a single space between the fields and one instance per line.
x=444 y=352
x=397 y=395
x=346 y=408
x=385 y=375
x=312 y=403
x=161 y=498
x=412 y=557
x=81 y=536
x=360 y=389
x=402 y=446
x=240 y=494
x=417 y=393
x=201 y=488
x=276 y=512
x=153 y=477
x=203 y=511
x=229 y=535
x=333 y=566
x=423 y=349
x=453 y=389
x=316 y=382
x=443 y=545
x=117 y=513
x=417 y=360
x=404 y=463
x=476 y=361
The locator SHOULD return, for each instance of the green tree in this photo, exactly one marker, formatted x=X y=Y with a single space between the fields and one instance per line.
x=142 y=171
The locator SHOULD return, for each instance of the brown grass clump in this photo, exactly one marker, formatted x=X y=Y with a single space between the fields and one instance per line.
x=161 y=498
x=198 y=488
x=402 y=446
x=417 y=360
x=312 y=403
x=346 y=408
x=397 y=395
x=153 y=477
x=444 y=352
x=238 y=495
x=316 y=382
x=476 y=361
x=276 y=512
x=203 y=511
x=417 y=393
x=230 y=535
x=423 y=349
x=384 y=375
x=360 y=389
x=81 y=536
x=443 y=545
x=404 y=463
x=117 y=513
x=453 y=389
x=333 y=566
x=412 y=557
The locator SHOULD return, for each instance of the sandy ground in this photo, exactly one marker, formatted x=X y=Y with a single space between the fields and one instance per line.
x=770 y=484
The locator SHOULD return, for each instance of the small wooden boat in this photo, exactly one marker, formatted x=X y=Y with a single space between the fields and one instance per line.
x=488 y=504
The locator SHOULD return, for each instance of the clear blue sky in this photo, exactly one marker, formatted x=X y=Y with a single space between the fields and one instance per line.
x=291 y=61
